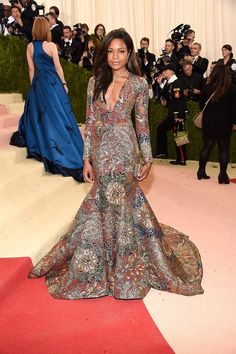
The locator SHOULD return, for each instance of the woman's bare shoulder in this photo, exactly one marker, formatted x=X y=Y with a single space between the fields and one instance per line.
x=49 y=45
x=30 y=46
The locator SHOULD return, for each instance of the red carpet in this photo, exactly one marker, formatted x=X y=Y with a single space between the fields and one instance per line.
x=32 y=322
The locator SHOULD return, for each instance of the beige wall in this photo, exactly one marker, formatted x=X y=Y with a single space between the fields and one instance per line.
x=213 y=20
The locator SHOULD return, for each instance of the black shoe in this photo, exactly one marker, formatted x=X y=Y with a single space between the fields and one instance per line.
x=223 y=178
x=176 y=162
x=160 y=156
x=202 y=175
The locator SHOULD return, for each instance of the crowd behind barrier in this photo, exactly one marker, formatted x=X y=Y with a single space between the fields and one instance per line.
x=78 y=49
x=14 y=78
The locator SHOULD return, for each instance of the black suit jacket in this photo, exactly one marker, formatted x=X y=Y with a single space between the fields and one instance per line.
x=27 y=16
x=61 y=25
x=195 y=81
x=56 y=35
x=151 y=58
x=200 y=65
x=74 y=49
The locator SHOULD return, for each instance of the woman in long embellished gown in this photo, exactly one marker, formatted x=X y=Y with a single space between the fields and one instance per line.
x=115 y=245
x=48 y=127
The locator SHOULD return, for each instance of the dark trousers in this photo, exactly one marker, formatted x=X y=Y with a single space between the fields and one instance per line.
x=162 y=129
x=223 y=143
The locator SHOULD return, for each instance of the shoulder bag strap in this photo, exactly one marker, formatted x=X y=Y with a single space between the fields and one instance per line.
x=208 y=102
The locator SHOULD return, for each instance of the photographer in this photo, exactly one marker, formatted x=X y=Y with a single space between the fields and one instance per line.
x=16 y=26
x=80 y=34
x=88 y=56
x=168 y=55
x=192 y=82
x=199 y=64
x=146 y=59
x=29 y=11
x=184 y=47
x=70 y=49
x=4 y=18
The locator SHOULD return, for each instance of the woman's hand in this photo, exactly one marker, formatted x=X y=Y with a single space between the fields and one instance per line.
x=144 y=171
x=18 y=5
x=66 y=89
x=19 y=21
x=234 y=127
x=163 y=102
x=88 y=172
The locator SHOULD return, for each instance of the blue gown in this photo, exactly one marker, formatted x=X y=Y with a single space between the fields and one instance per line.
x=48 y=127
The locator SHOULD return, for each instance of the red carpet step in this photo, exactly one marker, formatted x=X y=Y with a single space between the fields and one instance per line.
x=8 y=124
x=32 y=322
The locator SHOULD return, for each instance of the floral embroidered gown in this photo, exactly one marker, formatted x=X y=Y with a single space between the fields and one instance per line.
x=115 y=245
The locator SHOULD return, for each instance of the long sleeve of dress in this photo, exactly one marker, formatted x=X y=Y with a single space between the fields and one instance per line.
x=90 y=120
x=141 y=122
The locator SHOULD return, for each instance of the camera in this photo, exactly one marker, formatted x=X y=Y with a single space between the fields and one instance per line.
x=141 y=53
x=16 y=30
x=91 y=52
x=155 y=70
x=12 y=2
x=41 y=10
x=78 y=29
x=190 y=93
x=178 y=32
x=163 y=59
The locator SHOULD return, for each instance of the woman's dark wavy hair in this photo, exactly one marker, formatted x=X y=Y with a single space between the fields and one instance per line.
x=96 y=28
x=219 y=80
x=229 y=47
x=102 y=71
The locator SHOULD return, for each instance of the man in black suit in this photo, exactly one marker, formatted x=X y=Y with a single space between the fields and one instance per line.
x=199 y=64
x=17 y=27
x=184 y=47
x=70 y=48
x=172 y=96
x=55 y=29
x=169 y=55
x=192 y=82
x=29 y=11
x=56 y=11
x=146 y=59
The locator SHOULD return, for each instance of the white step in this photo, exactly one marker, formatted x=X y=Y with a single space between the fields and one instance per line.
x=36 y=234
x=32 y=197
x=5 y=135
x=6 y=98
x=14 y=177
x=10 y=155
x=36 y=207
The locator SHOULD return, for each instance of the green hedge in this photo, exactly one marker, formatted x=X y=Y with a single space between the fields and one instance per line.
x=14 y=78
x=157 y=114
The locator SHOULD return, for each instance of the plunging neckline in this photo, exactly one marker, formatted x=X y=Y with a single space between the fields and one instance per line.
x=118 y=98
